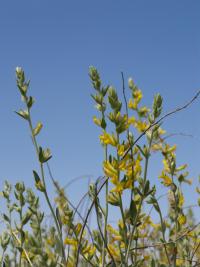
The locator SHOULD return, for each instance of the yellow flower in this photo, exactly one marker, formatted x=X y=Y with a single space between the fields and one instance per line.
x=143 y=111
x=166 y=180
x=78 y=228
x=51 y=242
x=118 y=188
x=114 y=251
x=166 y=165
x=156 y=147
x=182 y=219
x=111 y=230
x=180 y=262
x=70 y=241
x=108 y=139
x=111 y=172
x=168 y=149
x=122 y=165
x=89 y=250
x=113 y=199
x=141 y=126
x=137 y=94
x=97 y=121
x=161 y=131
x=181 y=200
x=147 y=257
x=131 y=120
x=132 y=104
x=120 y=150
x=182 y=167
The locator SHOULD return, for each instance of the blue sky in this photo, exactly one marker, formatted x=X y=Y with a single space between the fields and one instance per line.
x=156 y=42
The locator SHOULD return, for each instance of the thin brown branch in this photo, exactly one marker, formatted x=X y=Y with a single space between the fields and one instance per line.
x=85 y=222
x=169 y=242
x=161 y=119
x=68 y=201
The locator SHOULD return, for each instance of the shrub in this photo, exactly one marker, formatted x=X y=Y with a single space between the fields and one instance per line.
x=137 y=240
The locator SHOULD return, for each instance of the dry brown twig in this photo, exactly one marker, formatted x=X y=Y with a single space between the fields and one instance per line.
x=160 y=120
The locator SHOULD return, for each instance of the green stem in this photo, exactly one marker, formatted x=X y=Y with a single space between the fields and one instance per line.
x=45 y=191
x=21 y=229
x=176 y=229
x=106 y=217
x=163 y=235
x=141 y=200
x=125 y=235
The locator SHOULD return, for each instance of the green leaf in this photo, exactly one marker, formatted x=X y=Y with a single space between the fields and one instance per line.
x=6 y=218
x=146 y=188
x=22 y=236
x=157 y=105
x=23 y=113
x=38 y=183
x=37 y=129
x=133 y=211
x=26 y=217
x=113 y=199
x=58 y=217
x=44 y=155
x=30 y=102
x=103 y=123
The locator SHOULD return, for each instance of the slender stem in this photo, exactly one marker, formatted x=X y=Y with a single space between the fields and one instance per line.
x=43 y=180
x=25 y=252
x=85 y=222
x=141 y=200
x=176 y=228
x=40 y=232
x=163 y=235
x=121 y=203
x=21 y=243
x=105 y=245
x=136 y=245
x=106 y=215
x=128 y=136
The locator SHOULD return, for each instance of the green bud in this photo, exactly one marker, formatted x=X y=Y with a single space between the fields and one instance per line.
x=38 y=183
x=131 y=83
x=20 y=187
x=30 y=101
x=94 y=76
x=5 y=238
x=20 y=74
x=113 y=99
x=26 y=217
x=37 y=129
x=113 y=199
x=157 y=105
x=23 y=113
x=44 y=155
x=92 y=191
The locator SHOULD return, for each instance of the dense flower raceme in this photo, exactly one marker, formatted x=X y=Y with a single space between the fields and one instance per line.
x=137 y=237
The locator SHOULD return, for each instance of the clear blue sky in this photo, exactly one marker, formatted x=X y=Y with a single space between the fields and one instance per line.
x=156 y=42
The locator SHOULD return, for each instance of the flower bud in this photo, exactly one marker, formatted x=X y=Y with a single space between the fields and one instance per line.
x=19 y=70
x=130 y=83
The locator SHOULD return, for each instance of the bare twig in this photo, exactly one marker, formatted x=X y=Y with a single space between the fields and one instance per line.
x=161 y=119
x=68 y=201
x=25 y=252
x=169 y=242
x=85 y=222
